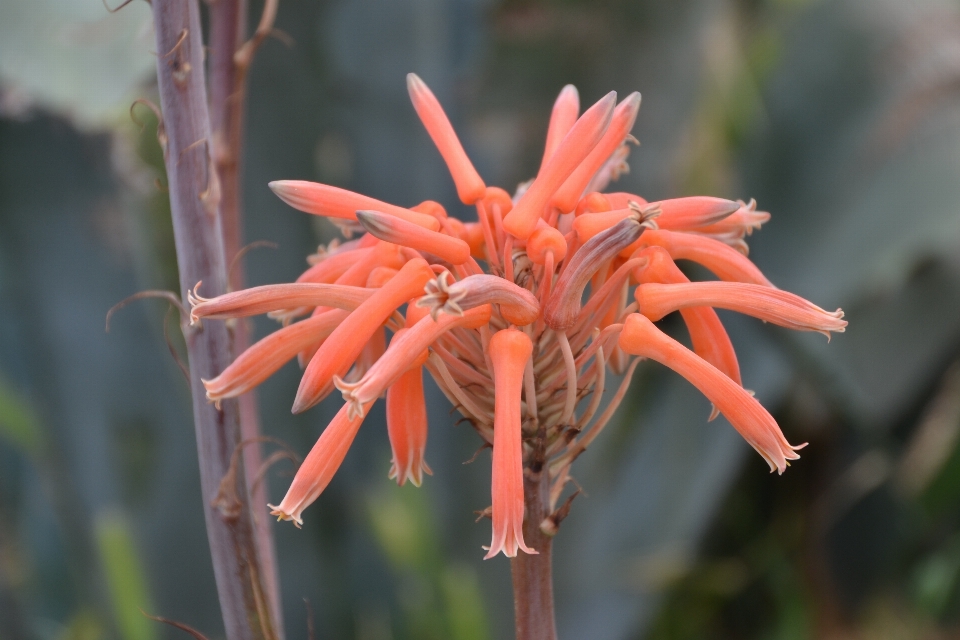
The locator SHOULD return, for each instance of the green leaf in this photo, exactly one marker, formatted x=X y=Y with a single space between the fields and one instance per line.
x=126 y=580
x=18 y=423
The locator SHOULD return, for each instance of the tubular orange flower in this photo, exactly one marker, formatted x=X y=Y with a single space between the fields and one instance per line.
x=407 y=427
x=726 y=263
x=564 y=116
x=509 y=351
x=757 y=427
x=470 y=185
x=566 y=197
x=710 y=340
x=773 y=305
x=579 y=142
x=347 y=340
x=398 y=231
x=319 y=466
x=324 y=200
x=541 y=317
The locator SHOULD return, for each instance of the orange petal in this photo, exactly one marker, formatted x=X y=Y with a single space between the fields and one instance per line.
x=470 y=186
x=407 y=427
x=380 y=276
x=724 y=261
x=546 y=239
x=622 y=200
x=709 y=338
x=397 y=231
x=431 y=208
x=562 y=118
x=332 y=267
x=356 y=274
x=272 y=297
x=590 y=224
x=264 y=358
x=581 y=139
x=681 y=214
x=318 y=468
x=509 y=351
x=407 y=349
x=596 y=203
x=566 y=197
x=772 y=305
x=640 y=337
x=343 y=346
x=324 y=200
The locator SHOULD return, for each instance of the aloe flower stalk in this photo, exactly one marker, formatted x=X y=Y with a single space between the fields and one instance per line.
x=516 y=316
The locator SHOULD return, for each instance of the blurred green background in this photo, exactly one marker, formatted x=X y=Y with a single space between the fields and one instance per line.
x=842 y=117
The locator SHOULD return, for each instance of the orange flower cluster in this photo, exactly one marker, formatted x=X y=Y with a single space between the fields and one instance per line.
x=516 y=316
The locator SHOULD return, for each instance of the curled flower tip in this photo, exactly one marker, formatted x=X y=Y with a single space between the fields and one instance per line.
x=509 y=351
x=394 y=230
x=646 y=214
x=439 y=298
x=562 y=118
x=752 y=219
x=283 y=515
x=193 y=299
x=740 y=223
x=348 y=389
x=563 y=308
x=579 y=142
x=470 y=186
x=625 y=114
x=771 y=305
x=517 y=305
x=640 y=337
x=333 y=202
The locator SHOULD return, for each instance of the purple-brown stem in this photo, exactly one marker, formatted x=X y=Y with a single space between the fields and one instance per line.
x=228 y=27
x=195 y=209
x=532 y=574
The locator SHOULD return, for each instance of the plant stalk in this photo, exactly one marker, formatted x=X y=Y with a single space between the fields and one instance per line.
x=532 y=574
x=228 y=28
x=195 y=209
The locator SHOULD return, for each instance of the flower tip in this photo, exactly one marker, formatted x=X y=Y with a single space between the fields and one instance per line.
x=300 y=404
x=281 y=187
x=283 y=515
x=348 y=389
x=415 y=83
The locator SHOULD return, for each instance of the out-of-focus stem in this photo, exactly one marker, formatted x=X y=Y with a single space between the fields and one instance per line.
x=228 y=27
x=195 y=208
x=532 y=574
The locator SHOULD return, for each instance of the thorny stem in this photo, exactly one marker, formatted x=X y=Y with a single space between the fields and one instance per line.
x=228 y=26
x=195 y=210
x=532 y=574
